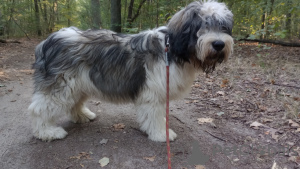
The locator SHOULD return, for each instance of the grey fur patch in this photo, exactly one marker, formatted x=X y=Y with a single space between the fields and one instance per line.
x=116 y=62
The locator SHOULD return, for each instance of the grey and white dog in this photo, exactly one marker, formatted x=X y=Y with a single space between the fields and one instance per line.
x=72 y=65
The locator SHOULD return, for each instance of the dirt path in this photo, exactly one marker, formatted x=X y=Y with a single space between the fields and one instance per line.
x=234 y=97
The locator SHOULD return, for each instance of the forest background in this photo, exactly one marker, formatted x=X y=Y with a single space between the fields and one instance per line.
x=254 y=19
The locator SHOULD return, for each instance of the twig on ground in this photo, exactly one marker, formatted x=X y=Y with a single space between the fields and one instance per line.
x=178 y=119
x=215 y=136
x=276 y=84
x=294 y=144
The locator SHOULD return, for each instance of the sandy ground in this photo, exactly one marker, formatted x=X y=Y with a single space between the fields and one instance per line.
x=130 y=148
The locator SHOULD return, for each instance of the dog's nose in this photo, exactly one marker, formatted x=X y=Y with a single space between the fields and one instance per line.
x=218 y=45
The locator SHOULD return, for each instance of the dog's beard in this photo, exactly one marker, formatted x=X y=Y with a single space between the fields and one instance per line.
x=211 y=61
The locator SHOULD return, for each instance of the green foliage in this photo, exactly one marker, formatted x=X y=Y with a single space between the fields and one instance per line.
x=254 y=19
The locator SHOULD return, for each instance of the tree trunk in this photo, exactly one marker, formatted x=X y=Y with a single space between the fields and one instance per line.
x=9 y=23
x=157 y=13
x=37 y=18
x=115 y=16
x=96 y=15
x=53 y=16
x=1 y=25
x=131 y=18
x=289 y=20
x=69 y=12
x=130 y=10
x=269 y=16
x=263 y=18
x=44 y=12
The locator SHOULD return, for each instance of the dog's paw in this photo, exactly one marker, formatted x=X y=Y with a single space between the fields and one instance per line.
x=84 y=117
x=90 y=115
x=161 y=136
x=51 y=133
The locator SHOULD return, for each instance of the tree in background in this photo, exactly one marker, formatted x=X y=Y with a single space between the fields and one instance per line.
x=131 y=16
x=254 y=19
x=115 y=16
x=95 y=14
x=37 y=18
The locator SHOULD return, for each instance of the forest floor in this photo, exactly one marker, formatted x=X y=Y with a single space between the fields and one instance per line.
x=243 y=115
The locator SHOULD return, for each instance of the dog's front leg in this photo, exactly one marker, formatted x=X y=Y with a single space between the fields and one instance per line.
x=151 y=117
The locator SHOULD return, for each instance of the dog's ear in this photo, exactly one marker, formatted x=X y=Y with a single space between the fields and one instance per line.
x=183 y=34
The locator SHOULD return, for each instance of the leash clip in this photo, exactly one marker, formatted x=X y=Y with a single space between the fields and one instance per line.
x=167 y=50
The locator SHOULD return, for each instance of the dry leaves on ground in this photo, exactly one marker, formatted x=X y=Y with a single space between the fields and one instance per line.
x=199 y=167
x=256 y=125
x=104 y=161
x=103 y=141
x=149 y=158
x=82 y=155
x=119 y=126
x=205 y=120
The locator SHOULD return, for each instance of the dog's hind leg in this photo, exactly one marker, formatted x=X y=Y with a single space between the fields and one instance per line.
x=80 y=113
x=151 y=116
x=44 y=111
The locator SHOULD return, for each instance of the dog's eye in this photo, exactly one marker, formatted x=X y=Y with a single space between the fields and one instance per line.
x=224 y=29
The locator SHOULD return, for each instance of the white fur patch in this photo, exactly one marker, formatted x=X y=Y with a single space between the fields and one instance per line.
x=211 y=7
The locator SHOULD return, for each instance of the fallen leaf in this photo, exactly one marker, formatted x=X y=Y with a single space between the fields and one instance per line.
x=297 y=98
x=199 y=167
x=220 y=113
x=274 y=166
x=230 y=101
x=103 y=141
x=224 y=83
x=149 y=158
x=97 y=103
x=197 y=85
x=13 y=101
x=256 y=125
x=262 y=108
x=83 y=155
x=273 y=134
x=271 y=110
x=265 y=120
x=236 y=160
x=290 y=143
x=221 y=93
x=119 y=126
x=295 y=159
x=298 y=130
x=204 y=120
x=104 y=161
x=9 y=90
x=293 y=124
x=272 y=81
x=81 y=165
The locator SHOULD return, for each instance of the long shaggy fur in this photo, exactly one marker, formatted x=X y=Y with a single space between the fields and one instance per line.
x=72 y=65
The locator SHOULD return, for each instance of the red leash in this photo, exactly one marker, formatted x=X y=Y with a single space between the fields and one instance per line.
x=167 y=105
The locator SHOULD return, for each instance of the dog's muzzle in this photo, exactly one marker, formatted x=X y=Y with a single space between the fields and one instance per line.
x=218 y=45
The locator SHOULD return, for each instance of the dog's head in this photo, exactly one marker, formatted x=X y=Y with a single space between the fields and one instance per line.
x=202 y=32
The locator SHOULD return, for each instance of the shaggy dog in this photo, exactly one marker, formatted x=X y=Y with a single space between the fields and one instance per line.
x=72 y=65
